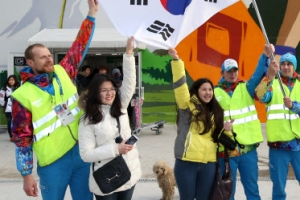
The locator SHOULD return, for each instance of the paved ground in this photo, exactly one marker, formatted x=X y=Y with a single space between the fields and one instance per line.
x=151 y=147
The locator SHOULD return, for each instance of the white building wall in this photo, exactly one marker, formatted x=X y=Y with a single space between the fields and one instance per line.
x=20 y=20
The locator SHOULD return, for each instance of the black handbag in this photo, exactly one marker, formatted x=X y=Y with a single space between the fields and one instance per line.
x=229 y=143
x=226 y=141
x=113 y=174
x=223 y=185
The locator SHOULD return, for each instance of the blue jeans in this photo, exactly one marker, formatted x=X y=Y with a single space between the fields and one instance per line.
x=279 y=167
x=68 y=170
x=194 y=180
x=248 y=168
x=123 y=195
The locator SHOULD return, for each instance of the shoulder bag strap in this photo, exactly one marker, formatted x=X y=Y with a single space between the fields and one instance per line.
x=119 y=130
x=218 y=163
x=119 y=125
x=226 y=159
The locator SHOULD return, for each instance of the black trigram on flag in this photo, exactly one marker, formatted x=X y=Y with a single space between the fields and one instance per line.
x=139 y=2
x=161 y=28
x=214 y=1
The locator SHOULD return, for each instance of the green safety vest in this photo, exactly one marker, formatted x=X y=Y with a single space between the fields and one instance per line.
x=241 y=108
x=282 y=124
x=51 y=140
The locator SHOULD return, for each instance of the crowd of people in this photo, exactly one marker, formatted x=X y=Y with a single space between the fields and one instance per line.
x=94 y=126
x=86 y=74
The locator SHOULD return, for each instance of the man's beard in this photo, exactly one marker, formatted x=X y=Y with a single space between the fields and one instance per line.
x=46 y=69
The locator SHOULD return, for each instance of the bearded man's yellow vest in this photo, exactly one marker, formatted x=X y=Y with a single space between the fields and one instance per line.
x=51 y=139
x=241 y=108
x=282 y=124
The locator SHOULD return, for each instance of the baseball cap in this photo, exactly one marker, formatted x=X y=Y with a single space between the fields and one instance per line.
x=289 y=58
x=228 y=64
x=116 y=71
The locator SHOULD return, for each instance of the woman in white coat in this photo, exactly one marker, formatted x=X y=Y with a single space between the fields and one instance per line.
x=103 y=103
x=10 y=85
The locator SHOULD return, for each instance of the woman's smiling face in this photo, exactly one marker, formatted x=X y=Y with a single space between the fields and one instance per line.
x=107 y=93
x=205 y=92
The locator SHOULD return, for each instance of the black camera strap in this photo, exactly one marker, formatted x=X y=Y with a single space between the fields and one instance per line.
x=240 y=145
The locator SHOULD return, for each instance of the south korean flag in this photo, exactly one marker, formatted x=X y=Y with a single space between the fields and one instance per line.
x=161 y=23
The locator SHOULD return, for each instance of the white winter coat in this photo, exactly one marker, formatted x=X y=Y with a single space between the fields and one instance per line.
x=97 y=142
x=6 y=93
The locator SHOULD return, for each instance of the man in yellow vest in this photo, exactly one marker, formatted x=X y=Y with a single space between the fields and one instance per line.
x=283 y=121
x=236 y=97
x=46 y=116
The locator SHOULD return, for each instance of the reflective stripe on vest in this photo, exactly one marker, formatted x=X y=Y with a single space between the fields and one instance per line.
x=47 y=131
x=277 y=107
x=239 y=111
x=52 y=113
x=245 y=119
x=241 y=108
x=282 y=124
x=283 y=116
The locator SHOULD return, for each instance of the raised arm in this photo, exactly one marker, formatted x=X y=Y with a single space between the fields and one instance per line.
x=261 y=69
x=129 y=80
x=180 y=86
x=264 y=89
x=79 y=48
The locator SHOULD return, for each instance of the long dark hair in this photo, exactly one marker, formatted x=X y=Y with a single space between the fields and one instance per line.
x=92 y=106
x=206 y=110
x=16 y=85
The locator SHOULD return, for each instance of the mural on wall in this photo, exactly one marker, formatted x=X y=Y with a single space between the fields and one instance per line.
x=23 y=19
x=49 y=14
x=232 y=33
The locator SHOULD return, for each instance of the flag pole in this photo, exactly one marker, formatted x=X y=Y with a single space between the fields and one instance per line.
x=267 y=40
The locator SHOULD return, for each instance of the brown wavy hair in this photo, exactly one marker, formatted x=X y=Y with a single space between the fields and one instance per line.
x=91 y=99
x=206 y=110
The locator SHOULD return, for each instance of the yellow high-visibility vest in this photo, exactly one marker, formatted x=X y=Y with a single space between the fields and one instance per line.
x=241 y=108
x=282 y=124
x=51 y=139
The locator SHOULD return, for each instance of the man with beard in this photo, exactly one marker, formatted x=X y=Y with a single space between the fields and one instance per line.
x=40 y=125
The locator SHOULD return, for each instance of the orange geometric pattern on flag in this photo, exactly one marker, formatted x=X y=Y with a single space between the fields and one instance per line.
x=231 y=33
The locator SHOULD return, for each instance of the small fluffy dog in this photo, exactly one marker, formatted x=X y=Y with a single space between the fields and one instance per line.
x=165 y=178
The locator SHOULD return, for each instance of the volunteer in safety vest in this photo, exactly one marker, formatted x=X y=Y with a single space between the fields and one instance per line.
x=283 y=121
x=236 y=97
x=46 y=116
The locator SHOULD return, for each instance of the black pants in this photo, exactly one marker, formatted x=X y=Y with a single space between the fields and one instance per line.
x=8 y=118
x=123 y=195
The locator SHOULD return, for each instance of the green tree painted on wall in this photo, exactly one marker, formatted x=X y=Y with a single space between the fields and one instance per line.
x=157 y=78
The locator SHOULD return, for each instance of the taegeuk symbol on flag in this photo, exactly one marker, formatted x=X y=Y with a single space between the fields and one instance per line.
x=161 y=23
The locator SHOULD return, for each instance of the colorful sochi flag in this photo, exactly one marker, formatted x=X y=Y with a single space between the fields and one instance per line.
x=161 y=23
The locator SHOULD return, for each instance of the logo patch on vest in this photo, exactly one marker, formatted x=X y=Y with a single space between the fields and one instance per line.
x=37 y=103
